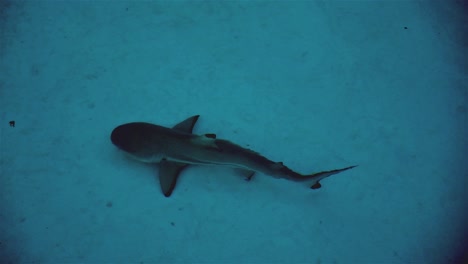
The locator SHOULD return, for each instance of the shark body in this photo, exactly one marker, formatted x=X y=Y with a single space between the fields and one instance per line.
x=175 y=148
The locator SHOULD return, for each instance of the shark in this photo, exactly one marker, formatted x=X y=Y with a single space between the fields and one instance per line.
x=177 y=147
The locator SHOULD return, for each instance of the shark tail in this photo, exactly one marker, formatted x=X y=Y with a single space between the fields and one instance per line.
x=317 y=177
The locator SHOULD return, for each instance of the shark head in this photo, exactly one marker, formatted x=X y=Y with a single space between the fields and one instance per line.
x=126 y=138
x=138 y=140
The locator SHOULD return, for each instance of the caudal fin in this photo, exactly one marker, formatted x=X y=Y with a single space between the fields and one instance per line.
x=317 y=177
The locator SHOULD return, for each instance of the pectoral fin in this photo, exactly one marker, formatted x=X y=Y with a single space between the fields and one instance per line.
x=168 y=174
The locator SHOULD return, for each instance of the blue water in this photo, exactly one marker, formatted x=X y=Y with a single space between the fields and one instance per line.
x=318 y=85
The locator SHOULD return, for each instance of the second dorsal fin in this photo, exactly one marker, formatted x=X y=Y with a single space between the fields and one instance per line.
x=210 y=135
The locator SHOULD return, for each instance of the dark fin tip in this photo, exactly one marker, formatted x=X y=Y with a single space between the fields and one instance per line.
x=316 y=186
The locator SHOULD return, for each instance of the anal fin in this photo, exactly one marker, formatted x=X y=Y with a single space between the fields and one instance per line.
x=247 y=174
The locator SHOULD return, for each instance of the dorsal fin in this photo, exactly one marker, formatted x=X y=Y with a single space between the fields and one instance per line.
x=187 y=125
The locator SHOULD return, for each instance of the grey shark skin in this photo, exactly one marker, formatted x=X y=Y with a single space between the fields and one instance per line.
x=175 y=148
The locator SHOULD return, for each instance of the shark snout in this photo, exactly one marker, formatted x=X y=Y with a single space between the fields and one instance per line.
x=124 y=137
x=118 y=136
x=132 y=137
